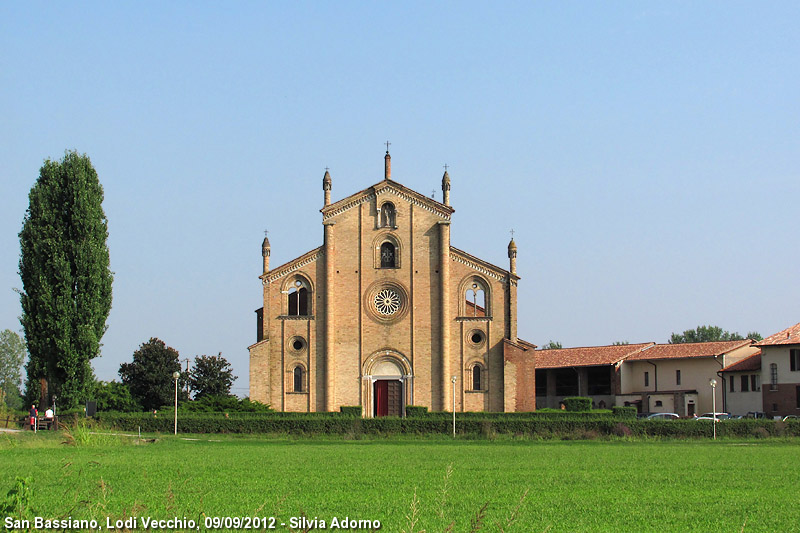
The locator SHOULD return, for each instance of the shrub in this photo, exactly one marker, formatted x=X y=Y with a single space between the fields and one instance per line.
x=624 y=411
x=220 y=404
x=578 y=404
x=621 y=430
x=351 y=410
x=416 y=410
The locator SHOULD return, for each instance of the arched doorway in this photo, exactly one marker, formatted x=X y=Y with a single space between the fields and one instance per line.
x=389 y=380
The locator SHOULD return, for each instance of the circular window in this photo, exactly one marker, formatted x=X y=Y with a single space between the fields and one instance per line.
x=476 y=337
x=387 y=302
x=297 y=344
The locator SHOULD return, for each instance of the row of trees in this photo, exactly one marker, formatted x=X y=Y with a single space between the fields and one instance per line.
x=149 y=380
x=699 y=334
x=711 y=334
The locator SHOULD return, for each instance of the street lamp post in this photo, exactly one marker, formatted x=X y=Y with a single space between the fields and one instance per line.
x=176 y=375
x=713 y=383
x=454 y=379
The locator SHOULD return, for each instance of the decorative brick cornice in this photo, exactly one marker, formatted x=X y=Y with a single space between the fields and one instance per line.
x=499 y=275
x=427 y=206
x=349 y=205
x=293 y=266
x=411 y=197
x=296 y=317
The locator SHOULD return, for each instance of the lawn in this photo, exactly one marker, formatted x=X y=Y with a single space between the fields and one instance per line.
x=505 y=485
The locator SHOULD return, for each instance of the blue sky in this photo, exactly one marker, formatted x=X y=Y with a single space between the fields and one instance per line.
x=646 y=154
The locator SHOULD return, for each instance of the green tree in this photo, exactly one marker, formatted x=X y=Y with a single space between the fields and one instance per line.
x=64 y=266
x=149 y=376
x=552 y=345
x=709 y=334
x=754 y=335
x=114 y=396
x=12 y=354
x=211 y=376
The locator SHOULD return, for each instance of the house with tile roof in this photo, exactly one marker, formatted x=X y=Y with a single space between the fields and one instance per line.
x=593 y=372
x=780 y=371
x=741 y=386
x=675 y=378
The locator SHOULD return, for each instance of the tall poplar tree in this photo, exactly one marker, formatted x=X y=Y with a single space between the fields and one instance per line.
x=66 y=280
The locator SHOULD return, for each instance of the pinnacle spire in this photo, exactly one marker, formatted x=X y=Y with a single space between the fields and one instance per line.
x=387 y=163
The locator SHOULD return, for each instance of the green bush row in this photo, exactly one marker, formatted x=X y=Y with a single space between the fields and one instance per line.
x=624 y=411
x=577 y=403
x=302 y=424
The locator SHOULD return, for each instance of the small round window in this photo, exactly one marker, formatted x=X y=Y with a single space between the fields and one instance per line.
x=476 y=337
x=297 y=344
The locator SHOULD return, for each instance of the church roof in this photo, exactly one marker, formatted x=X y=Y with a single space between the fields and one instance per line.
x=382 y=186
x=790 y=335
x=293 y=265
x=587 y=356
x=480 y=265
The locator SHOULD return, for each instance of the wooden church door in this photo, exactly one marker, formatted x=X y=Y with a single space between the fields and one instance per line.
x=388 y=398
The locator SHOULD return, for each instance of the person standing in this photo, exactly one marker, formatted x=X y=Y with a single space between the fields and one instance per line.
x=33 y=414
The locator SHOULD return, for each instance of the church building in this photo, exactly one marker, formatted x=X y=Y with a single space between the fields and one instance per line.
x=386 y=313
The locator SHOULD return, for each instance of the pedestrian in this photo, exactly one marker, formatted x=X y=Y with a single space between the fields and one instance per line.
x=33 y=415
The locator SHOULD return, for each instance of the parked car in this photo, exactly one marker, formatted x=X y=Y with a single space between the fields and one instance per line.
x=756 y=414
x=662 y=416
x=710 y=416
x=790 y=417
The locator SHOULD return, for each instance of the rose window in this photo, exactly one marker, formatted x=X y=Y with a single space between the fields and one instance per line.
x=387 y=302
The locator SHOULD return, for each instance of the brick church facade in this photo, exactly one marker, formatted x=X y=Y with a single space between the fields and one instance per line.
x=386 y=313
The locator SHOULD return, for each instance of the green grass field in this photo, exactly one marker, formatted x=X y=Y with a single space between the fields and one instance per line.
x=504 y=485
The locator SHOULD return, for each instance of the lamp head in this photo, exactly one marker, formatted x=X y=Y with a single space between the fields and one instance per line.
x=176 y=375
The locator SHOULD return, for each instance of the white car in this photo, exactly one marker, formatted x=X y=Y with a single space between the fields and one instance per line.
x=662 y=416
x=710 y=416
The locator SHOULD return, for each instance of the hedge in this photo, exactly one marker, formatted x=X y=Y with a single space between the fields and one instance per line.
x=567 y=427
x=624 y=411
x=577 y=403
x=416 y=410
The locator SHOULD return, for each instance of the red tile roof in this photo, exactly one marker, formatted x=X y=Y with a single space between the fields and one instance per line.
x=750 y=363
x=694 y=349
x=790 y=335
x=588 y=356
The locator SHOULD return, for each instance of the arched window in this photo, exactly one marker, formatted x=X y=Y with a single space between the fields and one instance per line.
x=388 y=215
x=477 y=377
x=475 y=297
x=388 y=255
x=299 y=300
x=298 y=379
x=476 y=300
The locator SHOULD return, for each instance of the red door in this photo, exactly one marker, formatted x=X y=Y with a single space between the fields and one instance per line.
x=381 y=398
x=388 y=398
